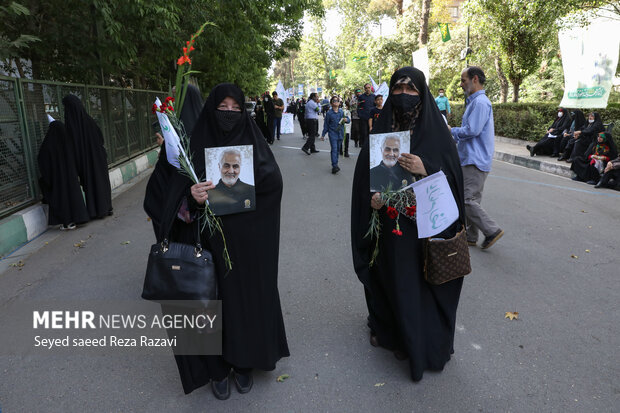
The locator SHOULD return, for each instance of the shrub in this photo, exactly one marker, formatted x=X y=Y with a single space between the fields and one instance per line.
x=529 y=121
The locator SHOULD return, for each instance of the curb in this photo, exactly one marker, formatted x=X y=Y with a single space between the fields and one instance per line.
x=528 y=162
x=27 y=224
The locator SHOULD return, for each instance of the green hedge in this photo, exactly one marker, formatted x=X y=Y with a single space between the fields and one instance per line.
x=530 y=121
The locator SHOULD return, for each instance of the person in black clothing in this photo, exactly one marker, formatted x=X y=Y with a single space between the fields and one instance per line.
x=375 y=112
x=231 y=195
x=365 y=102
x=91 y=158
x=270 y=112
x=254 y=335
x=611 y=175
x=565 y=145
x=589 y=168
x=548 y=144
x=301 y=109
x=59 y=180
x=407 y=315
x=584 y=138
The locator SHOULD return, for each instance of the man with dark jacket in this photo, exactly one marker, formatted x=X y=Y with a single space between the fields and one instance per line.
x=365 y=102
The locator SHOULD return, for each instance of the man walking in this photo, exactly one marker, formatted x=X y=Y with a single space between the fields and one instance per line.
x=278 y=106
x=269 y=108
x=334 y=119
x=442 y=103
x=475 y=141
x=355 y=120
x=365 y=103
x=312 y=123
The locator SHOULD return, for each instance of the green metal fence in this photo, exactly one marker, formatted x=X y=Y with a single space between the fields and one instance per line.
x=124 y=116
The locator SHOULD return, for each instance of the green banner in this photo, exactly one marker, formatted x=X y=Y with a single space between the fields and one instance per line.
x=445 y=31
x=358 y=58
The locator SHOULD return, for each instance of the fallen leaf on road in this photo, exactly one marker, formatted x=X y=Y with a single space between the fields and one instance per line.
x=303 y=174
x=588 y=251
x=281 y=378
x=379 y=384
x=512 y=315
x=80 y=244
x=18 y=264
x=589 y=226
x=46 y=242
x=125 y=242
x=584 y=211
x=148 y=219
x=574 y=256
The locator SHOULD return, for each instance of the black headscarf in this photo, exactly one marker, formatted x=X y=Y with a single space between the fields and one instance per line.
x=59 y=178
x=593 y=129
x=580 y=119
x=90 y=157
x=254 y=334
x=192 y=105
x=561 y=123
x=405 y=312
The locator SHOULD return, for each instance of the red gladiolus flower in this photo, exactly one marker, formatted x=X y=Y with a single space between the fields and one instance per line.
x=397 y=232
x=191 y=48
x=181 y=60
x=187 y=42
x=410 y=210
x=185 y=50
x=392 y=212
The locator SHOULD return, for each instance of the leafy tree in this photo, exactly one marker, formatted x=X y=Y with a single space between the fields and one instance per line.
x=11 y=47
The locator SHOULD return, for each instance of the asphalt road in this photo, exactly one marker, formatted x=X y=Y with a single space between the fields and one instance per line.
x=561 y=355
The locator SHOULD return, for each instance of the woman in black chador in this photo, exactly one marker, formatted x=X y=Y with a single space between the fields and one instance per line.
x=59 y=180
x=91 y=159
x=253 y=327
x=548 y=144
x=589 y=169
x=407 y=315
x=565 y=145
x=585 y=137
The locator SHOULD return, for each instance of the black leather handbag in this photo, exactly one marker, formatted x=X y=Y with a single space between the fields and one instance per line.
x=180 y=272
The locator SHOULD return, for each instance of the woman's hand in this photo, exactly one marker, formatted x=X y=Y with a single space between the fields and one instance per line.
x=608 y=167
x=376 y=202
x=200 y=191
x=412 y=163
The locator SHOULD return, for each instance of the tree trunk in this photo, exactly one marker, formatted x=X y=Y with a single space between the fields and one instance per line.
x=399 y=7
x=515 y=90
x=426 y=10
x=503 y=82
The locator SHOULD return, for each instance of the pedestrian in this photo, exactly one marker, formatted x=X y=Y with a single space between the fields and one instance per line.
x=91 y=158
x=407 y=315
x=334 y=119
x=347 y=131
x=301 y=109
x=355 y=119
x=270 y=112
x=59 y=180
x=475 y=141
x=365 y=103
x=260 y=119
x=375 y=112
x=253 y=327
x=442 y=103
x=278 y=106
x=312 y=123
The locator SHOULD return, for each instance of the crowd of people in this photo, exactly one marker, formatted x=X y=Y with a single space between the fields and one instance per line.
x=585 y=144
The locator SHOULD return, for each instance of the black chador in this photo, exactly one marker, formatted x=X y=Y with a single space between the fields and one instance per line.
x=253 y=326
x=59 y=180
x=406 y=314
x=90 y=157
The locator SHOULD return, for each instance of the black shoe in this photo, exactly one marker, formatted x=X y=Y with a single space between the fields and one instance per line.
x=400 y=355
x=346 y=154
x=529 y=148
x=221 y=389
x=591 y=182
x=491 y=239
x=314 y=151
x=374 y=341
x=575 y=178
x=599 y=184
x=335 y=170
x=307 y=152
x=244 y=382
x=561 y=158
x=570 y=160
x=555 y=155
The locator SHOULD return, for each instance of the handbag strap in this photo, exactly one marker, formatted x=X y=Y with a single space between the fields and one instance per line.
x=198 y=228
